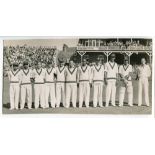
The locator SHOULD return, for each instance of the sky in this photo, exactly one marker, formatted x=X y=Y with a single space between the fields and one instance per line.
x=71 y=42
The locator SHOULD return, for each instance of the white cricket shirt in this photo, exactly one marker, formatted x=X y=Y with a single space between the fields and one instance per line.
x=125 y=70
x=98 y=73
x=84 y=73
x=112 y=70
x=49 y=75
x=60 y=72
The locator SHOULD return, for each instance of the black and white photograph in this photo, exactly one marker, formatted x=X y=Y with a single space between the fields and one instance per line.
x=78 y=75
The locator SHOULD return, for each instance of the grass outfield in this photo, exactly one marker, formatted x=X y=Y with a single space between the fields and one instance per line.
x=109 y=110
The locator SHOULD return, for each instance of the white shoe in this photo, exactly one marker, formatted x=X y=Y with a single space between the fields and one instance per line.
x=43 y=107
x=120 y=105
x=130 y=105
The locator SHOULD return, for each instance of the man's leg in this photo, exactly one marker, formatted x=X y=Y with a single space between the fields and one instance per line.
x=121 y=95
x=36 y=94
x=52 y=94
x=42 y=95
x=81 y=94
x=17 y=89
x=113 y=93
x=130 y=95
x=146 y=92
x=68 y=95
x=58 y=94
x=108 y=93
x=87 y=94
x=63 y=94
x=74 y=94
x=47 y=92
x=23 y=96
x=100 y=94
x=140 y=85
x=95 y=95
x=29 y=96
x=12 y=94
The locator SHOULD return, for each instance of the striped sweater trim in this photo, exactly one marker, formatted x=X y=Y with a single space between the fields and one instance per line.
x=49 y=81
x=60 y=81
x=84 y=80
x=71 y=82
x=111 y=78
x=126 y=79
x=39 y=83
x=97 y=80
x=14 y=81
x=25 y=83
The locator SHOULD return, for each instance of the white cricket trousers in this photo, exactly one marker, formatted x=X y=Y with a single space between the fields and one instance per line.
x=98 y=89
x=39 y=95
x=143 y=84
x=129 y=89
x=60 y=93
x=111 y=92
x=71 y=94
x=26 y=89
x=50 y=93
x=84 y=93
x=14 y=95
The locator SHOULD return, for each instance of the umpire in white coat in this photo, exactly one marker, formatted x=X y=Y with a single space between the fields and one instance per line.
x=144 y=73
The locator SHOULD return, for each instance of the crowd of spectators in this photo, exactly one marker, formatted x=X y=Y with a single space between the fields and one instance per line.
x=30 y=53
x=117 y=44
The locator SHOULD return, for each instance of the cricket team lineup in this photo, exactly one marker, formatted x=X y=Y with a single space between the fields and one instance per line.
x=60 y=83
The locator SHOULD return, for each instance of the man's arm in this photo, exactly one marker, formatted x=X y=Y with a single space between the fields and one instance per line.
x=117 y=74
x=20 y=77
x=130 y=73
x=105 y=75
x=137 y=71
x=148 y=71
x=77 y=75
x=65 y=73
x=9 y=76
